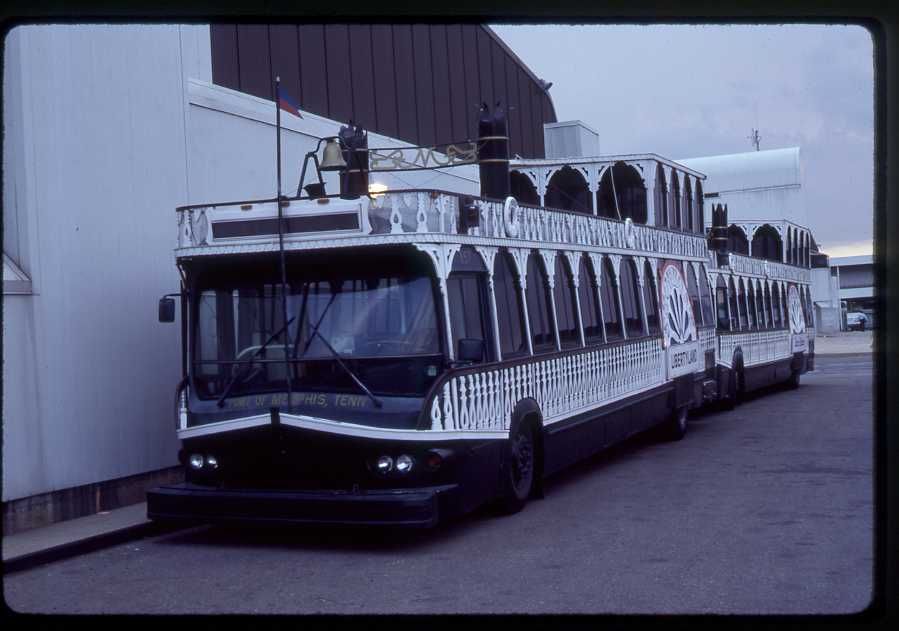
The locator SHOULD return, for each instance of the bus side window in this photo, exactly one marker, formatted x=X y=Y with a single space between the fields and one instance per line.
x=590 y=310
x=610 y=306
x=630 y=297
x=650 y=300
x=760 y=307
x=737 y=306
x=750 y=310
x=693 y=292
x=509 y=315
x=467 y=305
x=721 y=299
x=542 y=334
x=705 y=298
x=566 y=309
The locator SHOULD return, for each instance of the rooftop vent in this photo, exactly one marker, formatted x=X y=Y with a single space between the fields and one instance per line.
x=570 y=139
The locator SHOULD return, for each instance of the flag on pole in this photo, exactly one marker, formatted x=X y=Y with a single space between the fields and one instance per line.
x=287 y=104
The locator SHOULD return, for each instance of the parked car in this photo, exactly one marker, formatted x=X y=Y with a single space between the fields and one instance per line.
x=856 y=321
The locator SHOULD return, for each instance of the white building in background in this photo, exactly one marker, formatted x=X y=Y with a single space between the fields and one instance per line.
x=107 y=129
x=855 y=277
x=766 y=207
x=829 y=316
x=762 y=190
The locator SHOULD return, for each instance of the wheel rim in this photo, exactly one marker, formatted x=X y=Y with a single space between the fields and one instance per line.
x=682 y=419
x=522 y=466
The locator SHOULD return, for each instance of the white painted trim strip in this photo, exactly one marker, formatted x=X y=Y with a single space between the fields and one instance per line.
x=224 y=426
x=336 y=427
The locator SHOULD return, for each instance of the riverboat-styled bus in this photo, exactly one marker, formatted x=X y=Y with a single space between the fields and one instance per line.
x=401 y=357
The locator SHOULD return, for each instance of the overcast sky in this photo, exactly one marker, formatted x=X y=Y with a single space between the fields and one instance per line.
x=685 y=91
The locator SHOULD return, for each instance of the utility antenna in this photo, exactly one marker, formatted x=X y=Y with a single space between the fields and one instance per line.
x=754 y=138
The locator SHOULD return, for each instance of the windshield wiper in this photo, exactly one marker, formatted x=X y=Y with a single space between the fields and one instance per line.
x=352 y=375
x=241 y=374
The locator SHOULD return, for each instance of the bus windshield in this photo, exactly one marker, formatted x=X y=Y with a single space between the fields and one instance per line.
x=382 y=327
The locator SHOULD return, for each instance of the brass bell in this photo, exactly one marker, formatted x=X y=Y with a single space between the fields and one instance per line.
x=332 y=157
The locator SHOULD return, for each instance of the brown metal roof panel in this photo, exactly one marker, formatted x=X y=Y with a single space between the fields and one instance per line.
x=224 y=55
x=313 y=73
x=424 y=84
x=485 y=68
x=286 y=59
x=441 y=75
x=472 y=72
x=363 y=76
x=406 y=92
x=457 y=76
x=384 y=79
x=255 y=73
x=340 y=86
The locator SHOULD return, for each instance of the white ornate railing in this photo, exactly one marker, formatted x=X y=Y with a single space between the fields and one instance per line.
x=707 y=339
x=562 y=386
x=429 y=212
x=409 y=216
x=758 y=347
x=770 y=269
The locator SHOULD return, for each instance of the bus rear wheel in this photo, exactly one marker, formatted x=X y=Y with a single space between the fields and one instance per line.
x=518 y=470
x=733 y=388
x=675 y=427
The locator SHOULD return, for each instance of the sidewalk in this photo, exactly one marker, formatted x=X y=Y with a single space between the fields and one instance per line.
x=76 y=536
x=845 y=342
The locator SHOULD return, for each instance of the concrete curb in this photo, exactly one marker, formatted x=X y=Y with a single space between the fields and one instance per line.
x=87 y=544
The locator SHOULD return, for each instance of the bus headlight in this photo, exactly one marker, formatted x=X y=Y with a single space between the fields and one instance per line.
x=384 y=464
x=212 y=462
x=196 y=461
x=404 y=464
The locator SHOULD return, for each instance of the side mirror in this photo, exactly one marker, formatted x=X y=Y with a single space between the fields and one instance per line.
x=470 y=350
x=166 y=309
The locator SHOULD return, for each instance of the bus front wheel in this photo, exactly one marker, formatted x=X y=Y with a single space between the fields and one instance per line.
x=518 y=470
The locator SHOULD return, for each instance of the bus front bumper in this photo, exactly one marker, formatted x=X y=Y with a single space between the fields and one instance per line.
x=413 y=507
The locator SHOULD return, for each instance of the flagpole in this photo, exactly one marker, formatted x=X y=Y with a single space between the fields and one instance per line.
x=287 y=344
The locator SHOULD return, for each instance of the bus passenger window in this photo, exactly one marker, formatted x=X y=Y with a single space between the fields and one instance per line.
x=610 y=312
x=650 y=300
x=630 y=298
x=705 y=298
x=741 y=305
x=734 y=302
x=693 y=292
x=760 y=302
x=566 y=310
x=509 y=314
x=750 y=310
x=542 y=335
x=467 y=306
x=721 y=305
x=775 y=307
x=590 y=312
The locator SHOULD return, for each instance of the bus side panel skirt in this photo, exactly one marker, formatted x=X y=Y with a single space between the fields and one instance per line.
x=587 y=434
x=764 y=375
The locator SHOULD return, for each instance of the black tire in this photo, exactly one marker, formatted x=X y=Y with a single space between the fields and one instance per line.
x=518 y=469
x=729 y=401
x=740 y=381
x=793 y=381
x=675 y=427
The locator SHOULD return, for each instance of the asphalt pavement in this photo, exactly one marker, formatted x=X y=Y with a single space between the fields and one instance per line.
x=764 y=509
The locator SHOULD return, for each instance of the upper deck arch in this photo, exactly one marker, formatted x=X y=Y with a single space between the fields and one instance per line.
x=645 y=187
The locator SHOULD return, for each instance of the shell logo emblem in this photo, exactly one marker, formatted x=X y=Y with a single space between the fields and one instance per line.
x=678 y=325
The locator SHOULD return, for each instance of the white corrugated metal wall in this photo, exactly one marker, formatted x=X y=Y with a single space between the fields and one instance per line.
x=108 y=129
